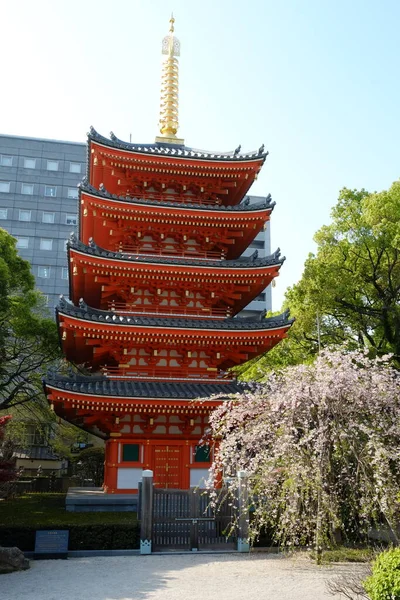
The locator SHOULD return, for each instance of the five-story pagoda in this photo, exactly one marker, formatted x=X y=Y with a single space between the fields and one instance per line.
x=156 y=279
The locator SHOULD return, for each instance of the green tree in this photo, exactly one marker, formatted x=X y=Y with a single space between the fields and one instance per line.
x=28 y=336
x=353 y=282
x=90 y=465
x=350 y=288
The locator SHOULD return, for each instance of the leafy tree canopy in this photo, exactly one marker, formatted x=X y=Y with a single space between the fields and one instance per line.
x=350 y=288
x=90 y=464
x=28 y=336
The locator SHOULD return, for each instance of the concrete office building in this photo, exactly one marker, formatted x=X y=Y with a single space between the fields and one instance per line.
x=38 y=204
x=39 y=207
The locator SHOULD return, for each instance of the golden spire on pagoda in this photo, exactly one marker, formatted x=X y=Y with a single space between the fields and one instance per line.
x=171 y=47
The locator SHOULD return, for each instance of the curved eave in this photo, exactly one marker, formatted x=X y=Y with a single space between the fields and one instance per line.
x=250 y=277
x=95 y=412
x=170 y=207
x=127 y=391
x=232 y=329
x=101 y=257
x=176 y=151
x=109 y=208
x=177 y=211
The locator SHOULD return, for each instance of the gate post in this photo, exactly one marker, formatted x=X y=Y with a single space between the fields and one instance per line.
x=194 y=526
x=244 y=515
x=146 y=523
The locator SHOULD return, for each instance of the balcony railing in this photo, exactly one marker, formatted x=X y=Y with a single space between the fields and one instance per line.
x=178 y=198
x=144 y=373
x=169 y=311
x=193 y=253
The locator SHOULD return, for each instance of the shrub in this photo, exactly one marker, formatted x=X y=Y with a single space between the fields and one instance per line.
x=384 y=583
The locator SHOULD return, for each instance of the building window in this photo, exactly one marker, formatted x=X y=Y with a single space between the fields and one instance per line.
x=48 y=217
x=6 y=161
x=74 y=167
x=29 y=163
x=27 y=188
x=46 y=244
x=50 y=191
x=73 y=193
x=202 y=454
x=259 y=244
x=36 y=436
x=52 y=165
x=130 y=452
x=64 y=273
x=3 y=213
x=25 y=215
x=5 y=187
x=44 y=272
x=22 y=242
x=71 y=219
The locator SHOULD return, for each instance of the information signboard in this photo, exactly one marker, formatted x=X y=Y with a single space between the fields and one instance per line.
x=51 y=543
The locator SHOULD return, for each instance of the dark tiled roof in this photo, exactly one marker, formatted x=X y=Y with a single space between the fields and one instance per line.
x=102 y=386
x=110 y=317
x=245 y=206
x=36 y=453
x=176 y=149
x=244 y=262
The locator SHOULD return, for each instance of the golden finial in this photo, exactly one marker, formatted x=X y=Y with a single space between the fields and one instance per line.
x=169 y=124
x=172 y=21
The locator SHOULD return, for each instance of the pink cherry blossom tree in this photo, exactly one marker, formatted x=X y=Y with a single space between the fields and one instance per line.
x=321 y=446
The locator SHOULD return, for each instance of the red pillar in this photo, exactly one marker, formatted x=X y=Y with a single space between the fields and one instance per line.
x=147 y=456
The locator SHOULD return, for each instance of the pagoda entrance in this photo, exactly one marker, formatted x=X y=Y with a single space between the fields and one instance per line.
x=167 y=466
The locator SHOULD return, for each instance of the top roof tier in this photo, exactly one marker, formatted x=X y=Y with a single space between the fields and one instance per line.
x=129 y=169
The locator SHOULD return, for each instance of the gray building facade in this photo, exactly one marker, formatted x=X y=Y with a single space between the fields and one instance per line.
x=39 y=204
x=39 y=207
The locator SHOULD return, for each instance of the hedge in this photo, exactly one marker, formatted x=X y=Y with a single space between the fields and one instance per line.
x=21 y=517
x=81 y=537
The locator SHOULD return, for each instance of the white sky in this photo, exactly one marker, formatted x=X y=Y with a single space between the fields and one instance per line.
x=315 y=81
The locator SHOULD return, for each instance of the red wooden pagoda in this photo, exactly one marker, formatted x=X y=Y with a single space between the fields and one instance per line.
x=156 y=279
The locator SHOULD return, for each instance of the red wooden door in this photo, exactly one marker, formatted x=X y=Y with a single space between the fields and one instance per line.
x=167 y=466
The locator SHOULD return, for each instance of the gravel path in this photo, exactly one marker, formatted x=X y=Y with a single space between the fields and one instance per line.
x=172 y=577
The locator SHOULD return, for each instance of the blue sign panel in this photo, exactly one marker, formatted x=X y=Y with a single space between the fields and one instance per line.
x=51 y=543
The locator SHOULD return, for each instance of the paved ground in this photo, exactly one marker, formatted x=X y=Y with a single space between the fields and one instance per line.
x=172 y=577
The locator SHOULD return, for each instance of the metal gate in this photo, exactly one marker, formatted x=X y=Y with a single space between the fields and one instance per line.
x=186 y=520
